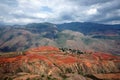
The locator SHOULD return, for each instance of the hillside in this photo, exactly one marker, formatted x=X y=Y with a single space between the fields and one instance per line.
x=51 y=63
x=85 y=36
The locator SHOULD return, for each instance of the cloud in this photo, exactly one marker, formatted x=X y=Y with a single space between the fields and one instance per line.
x=59 y=11
x=92 y=11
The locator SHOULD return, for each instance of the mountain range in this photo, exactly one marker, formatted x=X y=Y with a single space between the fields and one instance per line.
x=85 y=36
x=68 y=51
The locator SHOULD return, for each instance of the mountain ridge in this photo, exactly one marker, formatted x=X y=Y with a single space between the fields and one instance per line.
x=94 y=36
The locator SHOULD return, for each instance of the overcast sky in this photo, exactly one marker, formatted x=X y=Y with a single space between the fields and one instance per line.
x=59 y=11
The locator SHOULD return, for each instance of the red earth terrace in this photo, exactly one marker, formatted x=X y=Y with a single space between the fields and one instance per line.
x=55 y=63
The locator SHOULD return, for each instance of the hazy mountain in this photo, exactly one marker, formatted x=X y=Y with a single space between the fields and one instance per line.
x=91 y=28
x=79 y=52
x=84 y=36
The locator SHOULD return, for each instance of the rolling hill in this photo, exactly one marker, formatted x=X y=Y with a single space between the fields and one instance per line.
x=52 y=63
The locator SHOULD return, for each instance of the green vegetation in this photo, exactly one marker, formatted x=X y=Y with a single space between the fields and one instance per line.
x=7 y=78
x=63 y=76
x=51 y=78
x=68 y=70
x=87 y=41
x=62 y=38
x=28 y=78
x=73 y=51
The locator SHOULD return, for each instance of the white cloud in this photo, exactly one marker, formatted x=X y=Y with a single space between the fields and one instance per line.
x=92 y=11
x=18 y=12
x=114 y=22
x=40 y=15
x=57 y=11
x=21 y=20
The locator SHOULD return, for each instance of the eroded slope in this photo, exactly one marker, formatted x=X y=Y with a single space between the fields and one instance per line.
x=50 y=62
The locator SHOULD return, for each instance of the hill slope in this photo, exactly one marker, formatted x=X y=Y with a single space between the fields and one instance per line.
x=85 y=36
x=50 y=63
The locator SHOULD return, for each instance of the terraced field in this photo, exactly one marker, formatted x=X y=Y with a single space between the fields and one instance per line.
x=46 y=61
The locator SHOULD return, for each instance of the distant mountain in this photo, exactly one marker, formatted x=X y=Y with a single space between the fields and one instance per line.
x=88 y=28
x=82 y=51
x=18 y=37
x=76 y=35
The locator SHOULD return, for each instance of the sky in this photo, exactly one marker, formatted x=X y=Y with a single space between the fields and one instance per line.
x=59 y=11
